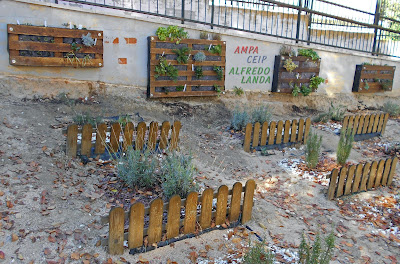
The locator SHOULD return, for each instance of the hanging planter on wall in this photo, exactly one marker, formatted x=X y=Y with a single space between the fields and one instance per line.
x=373 y=78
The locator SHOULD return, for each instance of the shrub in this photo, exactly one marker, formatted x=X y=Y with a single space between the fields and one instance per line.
x=86 y=118
x=289 y=65
x=305 y=90
x=345 y=145
x=242 y=117
x=261 y=114
x=313 y=149
x=238 y=91
x=183 y=54
x=391 y=108
x=334 y=113
x=239 y=119
x=137 y=168
x=257 y=254
x=177 y=175
x=320 y=253
x=308 y=53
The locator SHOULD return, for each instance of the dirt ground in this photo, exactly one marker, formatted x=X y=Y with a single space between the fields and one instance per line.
x=51 y=205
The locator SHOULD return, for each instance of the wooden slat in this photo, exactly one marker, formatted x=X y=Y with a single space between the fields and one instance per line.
x=264 y=132
x=248 y=200
x=271 y=135
x=114 y=137
x=381 y=120
x=357 y=178
x=375 y=127
x=371 y=123
x=307 y=130
x=361 y=125
x=140 y=133
x=279 y=132
x=222 y=200
x=385 y=76
x=256 y=134
x=392 y=171
x=52 y=31
x=191 y=41
x=174 y=214
x=206 y=208
x=355 y=124
x=372 y=175
x=116 y=232
x=100 y=139
x=153 y=131
x=293 y=136
x=342 y=179
x=72 y=140
x=190 y=213
x=136 y=225
x=333 y=184
x=378 y=68
x=351 y=123
x=183 y=82
x=176 y=128
x=366 y=124
x=345 y=122
x=386 y=172
x=301 y=130
x=128 y=135
x=86 y=144
x=166 y=126
x=180 y=94
x=379 y=173
x=52 y=47
x=365 y=177
x=349 y=180
x=384 y=123
x=53 y=61
x=234 y=211
x=155 y=221
x=286 y=133
x=247 y=137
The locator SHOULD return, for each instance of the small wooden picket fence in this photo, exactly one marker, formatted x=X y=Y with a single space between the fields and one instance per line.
x=139 y=236
x=361 y=177
x=366 y=126
x=121 y=137
x=275 y=134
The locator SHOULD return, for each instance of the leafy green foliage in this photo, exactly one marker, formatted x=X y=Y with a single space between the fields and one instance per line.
x=345 y=145
x=200 y=56
x=238 y=91
x=87 y=40
x=240 y=118
x=308 y=53
x=215 y=49
x=86 y=118
x=315 y=82
x=334 y=113
x=305 y=90
x=392 y=108
x=175 y=33
x=220 y=72
x=183 y=54
x=296 y=90
x=203 y=35
x=124 y=119
x=289 y=65
x=165 y=69
x=162 y=33
x=198 y=71
x=366 y=85
x=217 y=88
x=180 y=88
x=313 y=149
x=258 y=254
x=321 y=251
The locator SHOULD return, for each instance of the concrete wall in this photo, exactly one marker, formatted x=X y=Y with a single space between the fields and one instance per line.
x=250 y=58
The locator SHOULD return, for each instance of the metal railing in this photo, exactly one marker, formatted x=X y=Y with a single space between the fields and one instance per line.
x=308 y=21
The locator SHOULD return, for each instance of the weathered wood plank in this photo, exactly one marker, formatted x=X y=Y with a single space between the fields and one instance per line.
x=349 y=180
x=361 y=125
x=72 y=140
x=174 y=214
x=371 y=123
x=166 y=126
x=235 y=202
x=100 y=144
x=248 y=200
x=355 y=124
x=264 y=132
x=176 y=128
x=293 y=135
x=366 y=124
x=357 y=178
x=116 y=232
x=271 y=133
x=345 y=122
x=342 y=179
x=307 y=130
x=222 y=202
x=190 y=213
x=247 y=137
x=279 y=132
x=256 y=134
x=372 y=175
x=301 y=130
x=386 y=172
x=153 y=131
x=53 y=61
x=128 y=135
x=351 y=123
x=384 y=123
x=381 y=120
x=375 y=127
x=155 y=221
x=392 y=171
x=114 y=137
x=206 y=208
x=86 y=144
x=333 y=184
x=365 y=176
x=52 y=47
x=140 y=134
x=136 y=225
x=286 y=133
x=379 y=173
x=52 y=31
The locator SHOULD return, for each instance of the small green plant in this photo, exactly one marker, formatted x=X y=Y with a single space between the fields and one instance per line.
x=289 y=65
x=366 y=85
x=238 y=91
x=198 y=71
x=308 y=53
x=165 y=69
x=315 y=82
x=240 y=118
x=345 y=145
x=88 y=41
x=258 y=254
x=183 y=54
x=392 y=108
x=175 y=33
x=320 y=252
x=215 y=49
x=178 y=175
x=162 y=33
x=305 y=90
x=261 y=114
x=287 y=51
x=386 y=84
x=124 y=119
x=217 y=88
x=203 y=35
x=296 y=90
x=86 y=118
x=313 y=149
x=220 y=72
x=180 y=88
x=216 y=36
x=366 y=63
x=334 y=114
x=200 y=56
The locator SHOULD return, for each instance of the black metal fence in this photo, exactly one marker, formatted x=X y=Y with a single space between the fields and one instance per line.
x=373 y=29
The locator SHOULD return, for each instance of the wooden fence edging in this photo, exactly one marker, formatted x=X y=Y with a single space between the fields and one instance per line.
x=366 y=126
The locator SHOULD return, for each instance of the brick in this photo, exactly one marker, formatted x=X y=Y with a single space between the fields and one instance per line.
x=131 y=40
x=122 y=61
x=116 y=41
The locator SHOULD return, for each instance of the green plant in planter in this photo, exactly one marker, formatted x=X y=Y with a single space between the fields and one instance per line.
x=366 y=86
x=74 y=60
x=305 y=90
x=215 y=49
x=315 y=82
x=308 y=53
x=296 y=90
x=183 y=54
x=203 y=35
x=165 y=69
x=180 y=88
x=220 y=72
x=198 y=71
x=289 y=65
x=175 y=33
x=386 y=84
x=217 y=88
x=200 y=56
x=162 y=33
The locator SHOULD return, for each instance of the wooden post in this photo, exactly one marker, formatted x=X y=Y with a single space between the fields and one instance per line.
x=206 y=208
x=155 y=221
x=100 y=144
x=176 y=128
x=247 y=137
x=256 y=134
x=86 y=144
x=72 y=140
x=190 y=213
x=248 y=200
x=116 y=231
x=174 y=214
x=392 y=171
x=136 y=225
x=332 y=184
x=222 y=202
x=235 y=202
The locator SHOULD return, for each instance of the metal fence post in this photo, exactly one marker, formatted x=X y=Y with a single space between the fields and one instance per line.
x=309 y=21
x=376 y=23
x=212 y=14
x=183 y=12
x=298 y=21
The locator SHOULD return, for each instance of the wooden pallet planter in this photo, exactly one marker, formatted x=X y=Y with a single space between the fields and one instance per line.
x=276 y=134
x=116 y=138
x=49 y=46
x=366 y=126
x=283 y=80
x=141 y=237
x=378 y=78
x=164 y=86
x=358 y=178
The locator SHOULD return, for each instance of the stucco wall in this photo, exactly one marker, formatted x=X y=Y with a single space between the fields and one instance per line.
x=125 y=39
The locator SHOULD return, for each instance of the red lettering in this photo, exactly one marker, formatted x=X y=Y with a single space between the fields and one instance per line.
x=237 y=50
x=256 y=50
x=244 y=49
x=251 y=49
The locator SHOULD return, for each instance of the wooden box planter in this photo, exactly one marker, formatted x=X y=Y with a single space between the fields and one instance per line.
x=48 y=46
x=164 y=86
x=378 y=78
x=284 y=80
